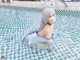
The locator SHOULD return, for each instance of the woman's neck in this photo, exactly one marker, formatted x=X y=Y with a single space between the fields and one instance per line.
x=49 y=24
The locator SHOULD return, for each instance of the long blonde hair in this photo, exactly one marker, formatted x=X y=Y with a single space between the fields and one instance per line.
x=45 y=16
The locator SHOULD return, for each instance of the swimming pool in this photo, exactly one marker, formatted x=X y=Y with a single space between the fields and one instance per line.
x=16 y=22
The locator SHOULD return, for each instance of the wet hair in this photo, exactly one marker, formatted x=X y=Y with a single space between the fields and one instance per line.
x=45 y=16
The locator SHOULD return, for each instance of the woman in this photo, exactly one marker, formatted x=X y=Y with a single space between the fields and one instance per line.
x=42 y=37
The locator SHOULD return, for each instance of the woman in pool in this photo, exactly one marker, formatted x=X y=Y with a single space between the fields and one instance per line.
x=42 y=37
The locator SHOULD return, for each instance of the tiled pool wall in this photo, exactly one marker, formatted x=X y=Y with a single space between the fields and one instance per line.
x=40 y=9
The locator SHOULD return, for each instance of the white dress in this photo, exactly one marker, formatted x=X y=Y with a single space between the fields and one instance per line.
x=33 y=38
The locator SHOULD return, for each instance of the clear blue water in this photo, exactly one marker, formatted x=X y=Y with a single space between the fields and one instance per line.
x=15 y=23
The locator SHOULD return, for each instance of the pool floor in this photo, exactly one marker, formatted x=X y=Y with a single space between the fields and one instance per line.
x=15 y=24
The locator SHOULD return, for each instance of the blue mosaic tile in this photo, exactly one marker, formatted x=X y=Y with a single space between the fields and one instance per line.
x=15 y=23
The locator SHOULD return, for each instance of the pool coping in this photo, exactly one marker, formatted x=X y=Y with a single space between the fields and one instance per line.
x=39 y=5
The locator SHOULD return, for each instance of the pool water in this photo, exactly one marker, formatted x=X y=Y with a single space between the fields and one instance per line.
x=15 y=23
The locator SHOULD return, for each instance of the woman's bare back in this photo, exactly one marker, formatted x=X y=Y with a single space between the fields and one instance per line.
x=46 y=31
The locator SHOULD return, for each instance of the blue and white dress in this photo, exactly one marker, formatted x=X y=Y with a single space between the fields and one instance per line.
x=33 y=38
